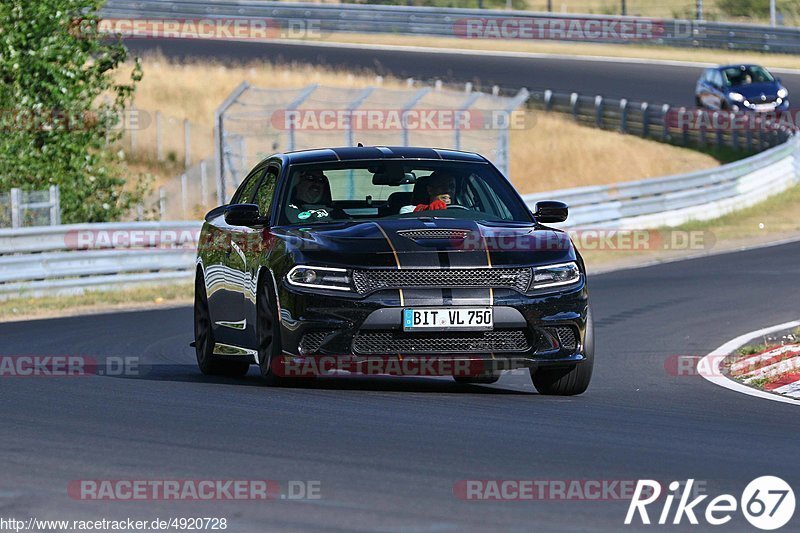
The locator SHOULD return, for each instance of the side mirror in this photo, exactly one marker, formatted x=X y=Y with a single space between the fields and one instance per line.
x=243 y=215
x=549 y=212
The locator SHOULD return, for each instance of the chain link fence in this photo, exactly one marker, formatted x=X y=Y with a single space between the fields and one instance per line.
x=20 y=209
x=255 y=122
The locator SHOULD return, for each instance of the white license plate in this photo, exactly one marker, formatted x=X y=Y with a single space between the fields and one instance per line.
x=442 y=318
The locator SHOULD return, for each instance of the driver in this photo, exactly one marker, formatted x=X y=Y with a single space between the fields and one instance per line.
x=441 y=189
x=311 y=199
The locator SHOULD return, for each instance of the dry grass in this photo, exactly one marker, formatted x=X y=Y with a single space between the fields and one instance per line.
x=553 y=153
x=557 y=153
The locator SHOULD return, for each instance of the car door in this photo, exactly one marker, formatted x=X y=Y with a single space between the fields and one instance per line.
x=228 y=275
x=259 y=246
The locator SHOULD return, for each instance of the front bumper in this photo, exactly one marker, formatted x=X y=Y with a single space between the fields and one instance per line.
x=547 y=328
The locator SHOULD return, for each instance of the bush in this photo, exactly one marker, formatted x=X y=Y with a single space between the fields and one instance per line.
x=60 y=108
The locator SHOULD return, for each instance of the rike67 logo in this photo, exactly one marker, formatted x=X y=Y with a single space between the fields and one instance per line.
x=767 y=503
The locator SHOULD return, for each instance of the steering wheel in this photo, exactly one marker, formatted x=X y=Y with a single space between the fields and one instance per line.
x=456 y=206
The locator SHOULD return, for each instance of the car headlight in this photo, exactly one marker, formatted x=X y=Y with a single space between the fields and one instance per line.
x=555 y=275
x=336 y=279
x=736 y=97
x=782 y=92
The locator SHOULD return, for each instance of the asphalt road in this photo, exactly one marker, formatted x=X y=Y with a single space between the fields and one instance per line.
x=388 y=451
x=656 y=83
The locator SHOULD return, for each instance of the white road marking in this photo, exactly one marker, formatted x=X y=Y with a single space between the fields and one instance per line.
x=715 y=358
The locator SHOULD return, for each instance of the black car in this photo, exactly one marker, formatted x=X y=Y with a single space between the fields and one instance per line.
x=741 y=88
x=378 y=253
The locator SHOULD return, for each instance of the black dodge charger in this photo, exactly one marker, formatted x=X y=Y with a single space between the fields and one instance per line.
x=371 y=254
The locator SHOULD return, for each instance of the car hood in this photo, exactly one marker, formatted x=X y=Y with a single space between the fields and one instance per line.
x=754 y=91
x=425 y=243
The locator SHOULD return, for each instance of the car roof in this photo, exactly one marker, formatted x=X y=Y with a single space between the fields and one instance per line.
x=350 y=153
x=738 y=65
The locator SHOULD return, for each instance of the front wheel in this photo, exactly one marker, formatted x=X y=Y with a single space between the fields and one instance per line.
x=268 y=332
x=572 y=380
x=209 y=364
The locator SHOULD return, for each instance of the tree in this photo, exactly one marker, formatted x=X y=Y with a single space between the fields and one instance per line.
x=60 y=107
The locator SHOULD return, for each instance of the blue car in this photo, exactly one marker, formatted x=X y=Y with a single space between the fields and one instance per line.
x=741 y=88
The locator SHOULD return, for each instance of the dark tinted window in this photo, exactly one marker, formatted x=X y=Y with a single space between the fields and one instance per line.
x=244 y=194
x=355 y=190
x=266 y=190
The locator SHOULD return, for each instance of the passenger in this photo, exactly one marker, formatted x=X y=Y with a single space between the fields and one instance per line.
x=440 y=189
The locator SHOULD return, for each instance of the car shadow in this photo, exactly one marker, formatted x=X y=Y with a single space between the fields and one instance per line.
x=185 y=373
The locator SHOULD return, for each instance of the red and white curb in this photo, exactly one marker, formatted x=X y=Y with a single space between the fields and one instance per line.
x=771 y=363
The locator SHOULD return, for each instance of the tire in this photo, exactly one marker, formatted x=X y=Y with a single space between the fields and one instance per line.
x=209 y=364
x=268 y=335
x=482 y=380
x=572 y=380
x=698 y=102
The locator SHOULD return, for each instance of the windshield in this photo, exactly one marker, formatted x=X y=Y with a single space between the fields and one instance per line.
x=745 y=75
x=321 y=193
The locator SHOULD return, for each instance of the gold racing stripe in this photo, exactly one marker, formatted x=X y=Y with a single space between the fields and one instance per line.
x=396 y=257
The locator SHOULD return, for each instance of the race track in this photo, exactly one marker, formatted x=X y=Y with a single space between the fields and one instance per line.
x=657 y=83
x=388 y=451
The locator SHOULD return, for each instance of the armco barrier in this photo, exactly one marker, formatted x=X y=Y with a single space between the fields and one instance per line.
x=443 y=22
x=72 y=258
x=673 y=200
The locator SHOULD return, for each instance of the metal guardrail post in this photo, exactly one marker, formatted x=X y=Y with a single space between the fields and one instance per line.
x=748 y=139
x=573 y=104
x=162 y=203
x=16 y=207
x=623 y=115
x=645 y=119
x=548 y=100
x=187 y=143
x=55 y=206
x=598 y=111
x=718 y=130
x=665 y=122
x=203 y=182
x=184 y=195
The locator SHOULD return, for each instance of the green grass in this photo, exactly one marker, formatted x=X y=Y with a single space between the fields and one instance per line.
x=776 y=216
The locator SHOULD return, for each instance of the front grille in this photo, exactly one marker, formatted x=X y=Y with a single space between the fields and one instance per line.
x=311 y=342
x=566 y=337
x=459 y=234
x=396 y=342
x=373 y=280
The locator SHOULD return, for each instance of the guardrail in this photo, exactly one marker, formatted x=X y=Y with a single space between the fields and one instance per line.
x=678 y=125
x=674 y=200
x=73 y=258
x=455 y=22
